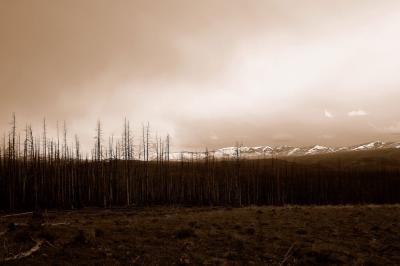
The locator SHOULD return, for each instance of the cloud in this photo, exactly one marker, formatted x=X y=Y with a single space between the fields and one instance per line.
x=206 y=67
x=392 y=129
x=214 y=137
x=282 y=137
x=328 y=114
x=358 y=112
x=326 y=136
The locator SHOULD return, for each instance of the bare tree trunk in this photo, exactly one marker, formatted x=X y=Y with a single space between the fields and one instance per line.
x=44 y=138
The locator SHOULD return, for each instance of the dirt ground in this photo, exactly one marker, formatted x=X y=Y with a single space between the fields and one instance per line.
x=290 y=235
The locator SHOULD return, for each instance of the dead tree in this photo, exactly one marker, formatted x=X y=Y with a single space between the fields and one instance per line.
x=77 y=148
x=12 y=137
x=65 y=147
x=44 y=139
x=98 y=149
x=127 y=157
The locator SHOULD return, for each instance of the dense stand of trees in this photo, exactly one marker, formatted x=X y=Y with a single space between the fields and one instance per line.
x=37 y=172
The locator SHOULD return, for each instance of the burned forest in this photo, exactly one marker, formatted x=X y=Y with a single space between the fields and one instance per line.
x=41 y=173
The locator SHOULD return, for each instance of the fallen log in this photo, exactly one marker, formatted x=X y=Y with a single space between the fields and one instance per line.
x=16 y=214
x=35 y=248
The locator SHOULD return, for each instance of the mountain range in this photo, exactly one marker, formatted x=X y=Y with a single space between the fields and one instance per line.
x=281 y=151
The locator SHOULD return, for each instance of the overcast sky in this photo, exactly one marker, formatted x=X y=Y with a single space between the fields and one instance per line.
x=208 y=72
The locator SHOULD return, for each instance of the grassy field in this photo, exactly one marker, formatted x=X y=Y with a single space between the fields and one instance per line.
x=288 y=235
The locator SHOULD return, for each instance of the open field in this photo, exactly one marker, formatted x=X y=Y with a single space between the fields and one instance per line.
x=289 y=235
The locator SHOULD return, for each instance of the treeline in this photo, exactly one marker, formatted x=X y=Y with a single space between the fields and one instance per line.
x=37 y=172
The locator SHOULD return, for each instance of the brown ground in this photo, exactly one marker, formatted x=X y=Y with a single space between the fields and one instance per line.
x=292 y=235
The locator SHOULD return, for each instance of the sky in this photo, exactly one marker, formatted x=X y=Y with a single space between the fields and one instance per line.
x=209 y=73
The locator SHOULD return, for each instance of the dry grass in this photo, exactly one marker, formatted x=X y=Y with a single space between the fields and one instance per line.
x=290 y=235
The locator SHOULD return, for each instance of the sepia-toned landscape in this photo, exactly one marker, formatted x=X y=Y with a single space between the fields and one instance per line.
x=177 y=132
x=229 y=206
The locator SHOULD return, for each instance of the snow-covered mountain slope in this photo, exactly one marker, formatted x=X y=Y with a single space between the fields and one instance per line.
x=279 y=151
x=369 y=146
x=317 y=149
